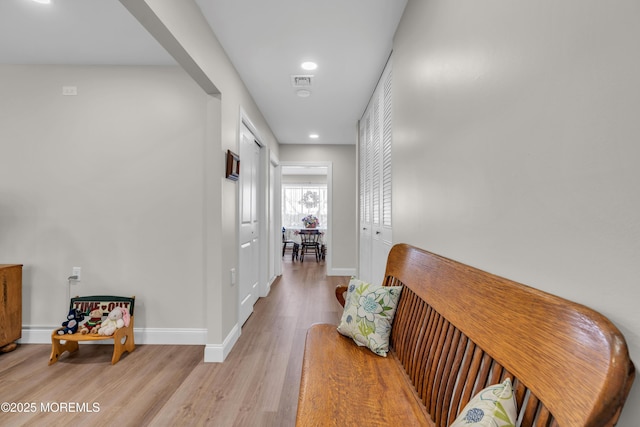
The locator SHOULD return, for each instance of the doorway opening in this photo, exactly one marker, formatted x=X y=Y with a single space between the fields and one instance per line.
x=305 y=203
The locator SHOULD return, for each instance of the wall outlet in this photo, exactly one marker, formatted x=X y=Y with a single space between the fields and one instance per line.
x=69 y=90
x=77 y=271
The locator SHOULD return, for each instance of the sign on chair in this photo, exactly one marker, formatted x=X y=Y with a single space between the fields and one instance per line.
x=123 y=339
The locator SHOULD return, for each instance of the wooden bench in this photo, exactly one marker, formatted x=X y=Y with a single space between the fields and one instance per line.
x=123 y=338
x=457 y=330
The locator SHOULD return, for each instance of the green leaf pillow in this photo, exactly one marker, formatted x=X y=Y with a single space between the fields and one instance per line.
x=368 y=314
x=494 y=406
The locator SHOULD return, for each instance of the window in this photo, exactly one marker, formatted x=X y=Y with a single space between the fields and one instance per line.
x=300 y=200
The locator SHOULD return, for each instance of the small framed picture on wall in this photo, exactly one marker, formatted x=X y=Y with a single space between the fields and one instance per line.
x=233 y=166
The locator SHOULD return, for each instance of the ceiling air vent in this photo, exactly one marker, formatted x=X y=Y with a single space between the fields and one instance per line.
x=301 y=81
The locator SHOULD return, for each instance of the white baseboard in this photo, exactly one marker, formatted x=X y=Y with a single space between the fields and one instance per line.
x=217 y=353
x=166 y=336
x=157 y=336
x=342 y=272
x=36 y=334
x=171 y=336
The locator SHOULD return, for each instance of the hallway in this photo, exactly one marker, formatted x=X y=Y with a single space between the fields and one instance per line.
x=258 y=383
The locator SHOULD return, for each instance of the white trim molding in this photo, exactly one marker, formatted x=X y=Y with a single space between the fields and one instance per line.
x=161 y=336
x=217 y=353
x=341 y=272
x=157 y=336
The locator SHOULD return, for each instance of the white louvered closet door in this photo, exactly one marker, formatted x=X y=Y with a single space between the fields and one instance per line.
x=375 y=182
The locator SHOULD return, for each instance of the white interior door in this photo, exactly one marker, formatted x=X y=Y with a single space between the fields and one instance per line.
x=381 y=170
x=365 y=199
x=249 y=260
x=375 y=182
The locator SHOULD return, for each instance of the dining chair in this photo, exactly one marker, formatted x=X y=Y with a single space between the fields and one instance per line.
x=310 y=240
x=294 y=246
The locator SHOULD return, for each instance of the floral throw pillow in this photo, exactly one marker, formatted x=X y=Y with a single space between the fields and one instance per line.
x=368 y=314
x=494 y=406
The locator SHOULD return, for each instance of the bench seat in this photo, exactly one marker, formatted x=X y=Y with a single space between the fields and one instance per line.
x=355 y=376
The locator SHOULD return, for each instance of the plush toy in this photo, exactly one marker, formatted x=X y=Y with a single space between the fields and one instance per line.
x=117 y=318
x=73 y=321
x=92 y=325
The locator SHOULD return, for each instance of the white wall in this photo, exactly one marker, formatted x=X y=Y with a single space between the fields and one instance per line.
x=182 y=29
x=168 y=215
x=110 y=180
x=515 y=146
x=344 y=194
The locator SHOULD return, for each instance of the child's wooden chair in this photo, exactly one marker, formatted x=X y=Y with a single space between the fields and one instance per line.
x=122 y=338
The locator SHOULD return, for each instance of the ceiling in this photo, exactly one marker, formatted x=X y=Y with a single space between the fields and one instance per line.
x=350 y=40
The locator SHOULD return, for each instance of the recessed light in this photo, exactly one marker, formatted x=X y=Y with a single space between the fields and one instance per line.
x=303 y=93
x=314 y=136
x=309 y=65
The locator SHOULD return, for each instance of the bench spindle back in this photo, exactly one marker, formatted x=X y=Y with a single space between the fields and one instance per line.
x=557 y=379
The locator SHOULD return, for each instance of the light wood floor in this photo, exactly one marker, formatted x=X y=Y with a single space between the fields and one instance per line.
x=170 y=385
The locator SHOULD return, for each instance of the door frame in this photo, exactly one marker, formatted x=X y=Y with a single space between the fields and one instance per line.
x=275 y=209
x=328 y=236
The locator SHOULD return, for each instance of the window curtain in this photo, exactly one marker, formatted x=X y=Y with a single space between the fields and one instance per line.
x=300 y=200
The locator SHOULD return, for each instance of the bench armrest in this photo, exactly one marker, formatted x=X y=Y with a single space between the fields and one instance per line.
x=341 y=290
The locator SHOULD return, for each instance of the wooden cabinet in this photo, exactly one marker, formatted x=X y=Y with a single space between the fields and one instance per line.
x=10 y=306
